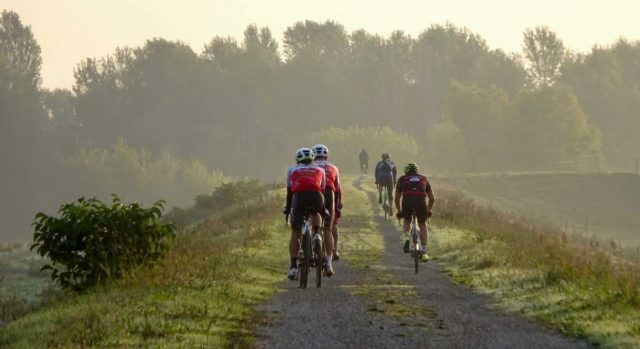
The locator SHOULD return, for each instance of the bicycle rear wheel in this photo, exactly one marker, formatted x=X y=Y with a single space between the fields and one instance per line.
x=306 y=260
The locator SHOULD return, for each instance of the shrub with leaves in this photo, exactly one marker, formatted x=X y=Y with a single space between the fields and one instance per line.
x=93 y=242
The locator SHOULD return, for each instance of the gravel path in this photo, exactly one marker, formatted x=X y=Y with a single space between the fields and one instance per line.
x=389 y=306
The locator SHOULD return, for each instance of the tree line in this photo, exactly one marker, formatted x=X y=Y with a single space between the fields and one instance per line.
x=244 y=106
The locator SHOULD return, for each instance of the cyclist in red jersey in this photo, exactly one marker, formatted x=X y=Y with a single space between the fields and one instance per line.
x=332 y=199
x=305 y=189
x=414 y=189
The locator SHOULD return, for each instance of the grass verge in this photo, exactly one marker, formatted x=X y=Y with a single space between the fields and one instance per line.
x=202 y=295
x=540 y=273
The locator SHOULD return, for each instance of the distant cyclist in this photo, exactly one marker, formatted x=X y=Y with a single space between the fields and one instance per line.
x=413 y=189
x=386 y=177
x=305 y=189
x=332 y=199
x=364 y=161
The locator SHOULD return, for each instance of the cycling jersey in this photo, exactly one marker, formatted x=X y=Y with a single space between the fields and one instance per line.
x=332 y=173
x=303 y=177
x=385 y=169
x=413 y=185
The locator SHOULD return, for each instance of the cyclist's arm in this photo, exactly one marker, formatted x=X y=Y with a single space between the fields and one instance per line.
x=289 y=192
x=397 y=200
x=395 y=172
x=338 y=193
x=289 y=199
x=432 y=199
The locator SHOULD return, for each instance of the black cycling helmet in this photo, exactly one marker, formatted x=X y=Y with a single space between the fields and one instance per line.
x=411 y=168
x=386 y=156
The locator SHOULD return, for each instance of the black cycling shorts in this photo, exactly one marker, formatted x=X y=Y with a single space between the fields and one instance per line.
x=328 y=204
x=303 y=201
x=387 y=181
x=414 y=203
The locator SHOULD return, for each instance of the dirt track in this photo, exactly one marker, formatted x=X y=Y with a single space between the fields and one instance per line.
x=388 y=306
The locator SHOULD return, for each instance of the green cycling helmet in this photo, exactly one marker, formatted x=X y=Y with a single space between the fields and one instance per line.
x=411 y=168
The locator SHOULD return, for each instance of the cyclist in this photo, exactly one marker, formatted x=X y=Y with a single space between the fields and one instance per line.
x=332 y=198
x=305 y=188
x=364 y=161
x=386 y=177
x=414 y=188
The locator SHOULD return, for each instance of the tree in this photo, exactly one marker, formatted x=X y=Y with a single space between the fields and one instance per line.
x=545 y=54
x=20 y=49
x=481 y=117
x=550 y=131
x=606 y=84
x=22 y=154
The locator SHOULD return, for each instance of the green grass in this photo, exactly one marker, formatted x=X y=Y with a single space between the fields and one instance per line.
x=202 y=296
x=540 y=273
x=359 y=237
x=601 y=204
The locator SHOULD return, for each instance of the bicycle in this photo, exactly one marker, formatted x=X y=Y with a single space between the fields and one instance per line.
x=312 y=248
x=363 y=168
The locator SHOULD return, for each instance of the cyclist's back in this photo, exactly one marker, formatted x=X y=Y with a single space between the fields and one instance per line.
x=385 y=176
x=364 y=160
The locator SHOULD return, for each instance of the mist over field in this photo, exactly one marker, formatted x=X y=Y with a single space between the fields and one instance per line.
x=166 y=120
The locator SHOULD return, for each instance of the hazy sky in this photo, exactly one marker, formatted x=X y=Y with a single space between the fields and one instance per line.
x=71 y=30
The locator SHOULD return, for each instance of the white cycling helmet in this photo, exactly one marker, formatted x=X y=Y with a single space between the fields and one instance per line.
x=303 y=154
x=320 y=150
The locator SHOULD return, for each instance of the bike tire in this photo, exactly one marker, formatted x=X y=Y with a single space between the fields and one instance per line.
x=306 y=261
x=416 y=258
x=319 y=264
x=416 y=251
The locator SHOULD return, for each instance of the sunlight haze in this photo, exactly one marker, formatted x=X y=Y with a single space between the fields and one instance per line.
x=71 y=30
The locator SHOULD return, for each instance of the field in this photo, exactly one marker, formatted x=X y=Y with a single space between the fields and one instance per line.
x=603 y=205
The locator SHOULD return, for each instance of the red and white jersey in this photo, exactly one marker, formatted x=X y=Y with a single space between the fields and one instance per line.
x=332 y=173
x=303 y=177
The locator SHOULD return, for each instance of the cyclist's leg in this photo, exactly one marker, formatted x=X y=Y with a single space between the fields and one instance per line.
x=407 y=211
x=421 y=214
x=380 y=187
x=335 y=233
x=297 y=219
x=328 y=223
x=390 y=197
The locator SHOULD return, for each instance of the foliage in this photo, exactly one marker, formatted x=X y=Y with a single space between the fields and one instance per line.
x=551 y=131
x=202 y=295
x=225 y=197
x=483 y=130
x=139 y=175
x=606 y=84
x=545 y=54
x=92 y=242
x=345 y=144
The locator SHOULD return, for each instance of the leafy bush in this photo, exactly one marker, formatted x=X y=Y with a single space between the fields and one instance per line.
x=94 y=242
